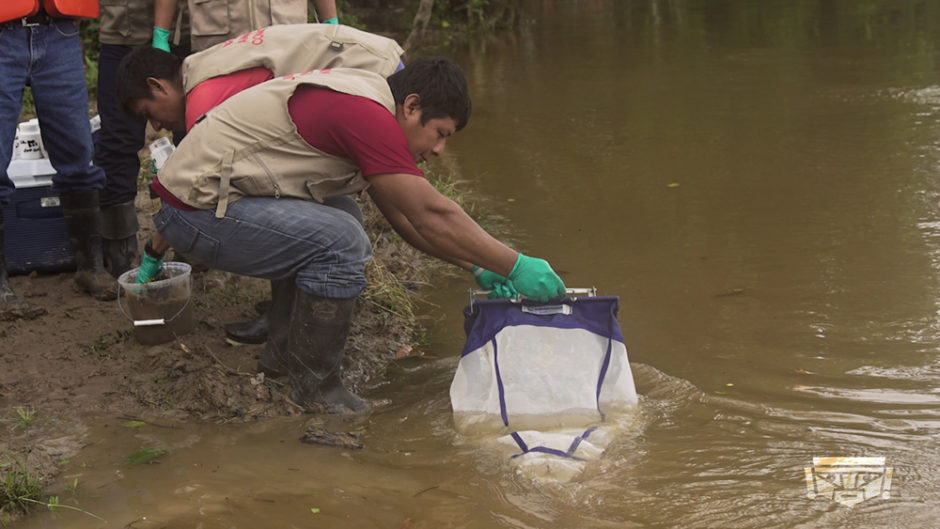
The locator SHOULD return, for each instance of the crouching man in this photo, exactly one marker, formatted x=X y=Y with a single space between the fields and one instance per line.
x=245 y=193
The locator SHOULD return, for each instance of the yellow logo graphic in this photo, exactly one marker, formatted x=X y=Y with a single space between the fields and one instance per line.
x=848 y=480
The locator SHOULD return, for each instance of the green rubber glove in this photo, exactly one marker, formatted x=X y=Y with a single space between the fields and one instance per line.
x=503 y=291
x=499 y=286
x=334 y=20
x=534 y=278
x=149 y=268
x=161 y=39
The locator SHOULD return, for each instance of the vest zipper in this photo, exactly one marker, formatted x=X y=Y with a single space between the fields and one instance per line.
x=259 y=161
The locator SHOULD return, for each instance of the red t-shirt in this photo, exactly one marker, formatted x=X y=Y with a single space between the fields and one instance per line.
x=212 y=92
x=352 y=127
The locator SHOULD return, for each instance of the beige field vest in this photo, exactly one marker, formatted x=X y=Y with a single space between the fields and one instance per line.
x=249 y=146
x=130 y=22
x=294 y=48
x=214 y=21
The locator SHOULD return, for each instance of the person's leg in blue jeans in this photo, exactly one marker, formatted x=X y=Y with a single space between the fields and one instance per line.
x=116 y=148
x=57 y=78
x=273 y=362
x=321 y=249
x=49 y=58
x=14 y=63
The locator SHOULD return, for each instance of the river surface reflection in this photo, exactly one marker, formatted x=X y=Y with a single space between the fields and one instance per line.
x=757 y=182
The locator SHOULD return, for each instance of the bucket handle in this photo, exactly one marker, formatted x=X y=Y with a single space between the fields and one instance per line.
x=157 y=321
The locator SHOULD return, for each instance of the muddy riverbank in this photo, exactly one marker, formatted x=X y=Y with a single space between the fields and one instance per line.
x=66 y=356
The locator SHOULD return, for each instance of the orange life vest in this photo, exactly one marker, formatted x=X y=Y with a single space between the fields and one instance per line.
x=14 y=9
x=71 y=8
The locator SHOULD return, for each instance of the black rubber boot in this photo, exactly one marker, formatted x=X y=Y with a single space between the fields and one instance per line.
x=273 y=361
x=119 y=227
x=317 y=336
x=83 y=226
x=7 y=296
x=251 y=332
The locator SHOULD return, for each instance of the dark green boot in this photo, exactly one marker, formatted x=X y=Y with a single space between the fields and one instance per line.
x=119 y=237
x=83 y=226
x=317 y=336
x=254 y=331
x=273 y=361
x=7 y=296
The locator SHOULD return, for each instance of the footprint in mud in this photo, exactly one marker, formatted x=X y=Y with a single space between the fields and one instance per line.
x=21 y=311
x=321 y=436
x=321 y=430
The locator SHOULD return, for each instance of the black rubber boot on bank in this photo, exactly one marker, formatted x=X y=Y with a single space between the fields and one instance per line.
x=254 y=331
x=7 y=296
x=83 y=226
x=119 y=237
x=317 y=336
x=273 y=361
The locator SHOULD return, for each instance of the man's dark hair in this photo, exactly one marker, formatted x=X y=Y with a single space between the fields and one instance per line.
x=440 y=84
x=137 y=66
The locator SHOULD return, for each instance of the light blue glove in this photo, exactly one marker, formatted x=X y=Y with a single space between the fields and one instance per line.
x=499 y=286
x=149 y=268
x=534 y=278
x=334 y=20
x=161 y=39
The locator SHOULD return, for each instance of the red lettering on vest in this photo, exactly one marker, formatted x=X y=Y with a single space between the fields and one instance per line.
x=256 y=38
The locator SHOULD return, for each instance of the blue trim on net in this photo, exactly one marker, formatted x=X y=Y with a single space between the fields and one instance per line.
x=499 y=385
x=553 y=451
x=489 y=316
x=601 y=377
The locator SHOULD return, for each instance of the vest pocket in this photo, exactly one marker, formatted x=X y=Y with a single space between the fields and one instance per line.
x=287 y=12
x=115 y=17
x=210 y=17
x=261 y=183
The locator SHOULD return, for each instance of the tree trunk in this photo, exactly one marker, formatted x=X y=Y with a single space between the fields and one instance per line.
x=420 y=24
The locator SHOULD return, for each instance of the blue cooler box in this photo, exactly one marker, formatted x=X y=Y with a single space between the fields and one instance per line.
x=34 y=226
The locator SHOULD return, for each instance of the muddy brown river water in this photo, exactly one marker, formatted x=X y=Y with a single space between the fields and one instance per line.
x=757 y=181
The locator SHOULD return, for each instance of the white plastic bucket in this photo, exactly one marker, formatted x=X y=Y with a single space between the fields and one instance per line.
x=29 y=144
x=161 y=310
x=160 y=151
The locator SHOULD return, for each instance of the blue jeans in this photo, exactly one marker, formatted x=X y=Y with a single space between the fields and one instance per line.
x=322 y=246
x=49 y=58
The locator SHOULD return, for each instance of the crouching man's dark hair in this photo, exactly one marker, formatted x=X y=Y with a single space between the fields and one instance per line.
x=137 y=66
x=440 y=84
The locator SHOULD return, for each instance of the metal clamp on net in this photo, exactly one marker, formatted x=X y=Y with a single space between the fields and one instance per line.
x=571 y=293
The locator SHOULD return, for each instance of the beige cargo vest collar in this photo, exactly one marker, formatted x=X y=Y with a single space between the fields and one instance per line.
x=293 y=48
x=248 y=146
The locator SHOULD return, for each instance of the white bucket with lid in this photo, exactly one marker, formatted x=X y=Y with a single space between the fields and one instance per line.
x=29 y=141
x=160 y=151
